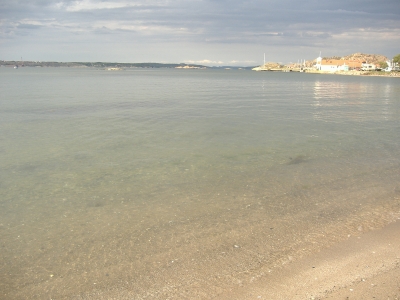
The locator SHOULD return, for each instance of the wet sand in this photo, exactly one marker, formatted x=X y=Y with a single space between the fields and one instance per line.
x=236 y=242
x=362 y=267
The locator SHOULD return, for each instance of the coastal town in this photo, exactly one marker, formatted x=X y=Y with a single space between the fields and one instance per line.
x=354 y=64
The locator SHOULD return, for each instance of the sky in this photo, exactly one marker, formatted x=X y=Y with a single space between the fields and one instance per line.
x=207 y=32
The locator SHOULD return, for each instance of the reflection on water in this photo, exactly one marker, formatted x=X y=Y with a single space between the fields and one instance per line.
x=355 y=100
x=185 y=183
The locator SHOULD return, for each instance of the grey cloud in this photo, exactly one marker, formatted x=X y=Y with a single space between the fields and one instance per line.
x=232 y=16
x=193 y=22
x=29 y=26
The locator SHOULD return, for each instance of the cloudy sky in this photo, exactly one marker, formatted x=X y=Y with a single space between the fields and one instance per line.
x=210 y=32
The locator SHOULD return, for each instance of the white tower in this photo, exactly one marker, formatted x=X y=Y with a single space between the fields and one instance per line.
x=319 y=62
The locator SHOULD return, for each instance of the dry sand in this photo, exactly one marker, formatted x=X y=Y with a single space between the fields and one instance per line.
x=364 y=267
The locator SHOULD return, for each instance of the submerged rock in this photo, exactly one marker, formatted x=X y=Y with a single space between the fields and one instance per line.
x=297 y=160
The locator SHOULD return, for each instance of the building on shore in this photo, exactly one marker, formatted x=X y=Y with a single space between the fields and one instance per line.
x=391 y=66
x=334 y=65
x=368 y=67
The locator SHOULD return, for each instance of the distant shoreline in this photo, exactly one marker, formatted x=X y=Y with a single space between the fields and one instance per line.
x=121 y=66
x=92 y=64
x=112 y=65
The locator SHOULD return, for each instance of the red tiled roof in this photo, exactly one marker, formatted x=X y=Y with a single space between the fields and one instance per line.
x=341 y=62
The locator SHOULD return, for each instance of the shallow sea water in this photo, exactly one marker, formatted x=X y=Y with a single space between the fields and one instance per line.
x=185 y=184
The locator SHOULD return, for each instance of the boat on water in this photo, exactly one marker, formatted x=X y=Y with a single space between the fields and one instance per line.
x=15 y=67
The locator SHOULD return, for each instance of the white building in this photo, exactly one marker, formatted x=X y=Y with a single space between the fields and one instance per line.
x=368 y=67
x=331 y=65
x=318 y=62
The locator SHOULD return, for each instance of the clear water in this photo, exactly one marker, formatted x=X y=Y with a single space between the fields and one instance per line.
x=164 y=183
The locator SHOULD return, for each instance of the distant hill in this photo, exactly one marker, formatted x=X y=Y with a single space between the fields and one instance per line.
x=268 y=66
x=362 y=57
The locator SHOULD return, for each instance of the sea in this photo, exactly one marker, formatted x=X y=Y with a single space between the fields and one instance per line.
x=185 y=183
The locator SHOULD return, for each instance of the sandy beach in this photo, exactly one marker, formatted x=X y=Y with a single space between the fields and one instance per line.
x=365 y=266
x=362 y=267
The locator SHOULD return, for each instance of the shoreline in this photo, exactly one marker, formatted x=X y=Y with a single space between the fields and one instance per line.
x=121 y=67
x=361 y=267
x=358 y=73
x=348 y=73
